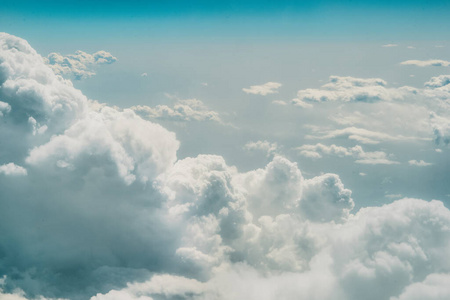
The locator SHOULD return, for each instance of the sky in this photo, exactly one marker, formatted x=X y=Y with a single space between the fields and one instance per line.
x=224 y=150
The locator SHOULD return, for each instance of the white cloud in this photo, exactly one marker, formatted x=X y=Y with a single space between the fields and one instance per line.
x=265 y=146
x=361 y=135
x=183 y=110
x=435 y=286
x=419 y=163
x=106 y=196
x=79 y=65
x=12 y=169
x=389 y=45
x=264 y=89
x=351 y=89
x=127 y=140
x=387 y=250
x=438 y=81
x=4 y=108
x=279 y=102
x=441 y=128
x=144 y=74
x=427 y=63
x=361 y=156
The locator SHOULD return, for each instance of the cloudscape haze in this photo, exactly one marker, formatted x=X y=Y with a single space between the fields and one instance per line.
x=224 y=150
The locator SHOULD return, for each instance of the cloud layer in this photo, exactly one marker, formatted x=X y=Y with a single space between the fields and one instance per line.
x=108 y=211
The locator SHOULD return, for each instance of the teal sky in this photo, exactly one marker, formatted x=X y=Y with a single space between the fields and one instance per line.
x=137 y=21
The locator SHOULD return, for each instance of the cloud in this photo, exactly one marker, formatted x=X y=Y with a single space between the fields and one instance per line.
x=264 y=146
x=183 y=111
x=438 y=81
x=426 y=63
x=144 y=75
x=79 y=65
x=361 y=135
x=441 y=128
x=389 y=45
x=108 y=211
x=264 y=89
x=362 y=157
x=386 y=247
x=4 y=108
x=279 y=102
x=351 y=89
x=419 y=163
x=12 y=169
x=434 y=287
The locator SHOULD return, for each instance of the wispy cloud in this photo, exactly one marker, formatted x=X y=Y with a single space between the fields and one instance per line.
x=419 y=163
x=263 y=89
x=362 y=135
x=182 y=110
x=427 y=63
x=361 y=156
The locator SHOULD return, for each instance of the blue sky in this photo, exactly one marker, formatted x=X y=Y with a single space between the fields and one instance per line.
x=310 y=20
x=224 y=150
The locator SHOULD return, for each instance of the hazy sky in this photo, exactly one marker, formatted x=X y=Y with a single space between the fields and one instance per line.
x=224 y=150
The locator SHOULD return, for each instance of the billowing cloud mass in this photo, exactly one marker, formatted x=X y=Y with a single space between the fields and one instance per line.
x=351 y=89
x=426 y=63
x=263 y=89
x=183 y=110
x=362 y=157
x=108 y=211
x=79 y=65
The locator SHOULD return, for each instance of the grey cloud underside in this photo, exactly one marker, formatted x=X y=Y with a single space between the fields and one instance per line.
x=107 y=211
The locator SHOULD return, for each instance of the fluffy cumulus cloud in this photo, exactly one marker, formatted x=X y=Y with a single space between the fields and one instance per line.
x=426 y=63
x=351 y=89
x=108 y=211
x=362 y=157
x=263 y=89
x=79 y=65
x=182 y=110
